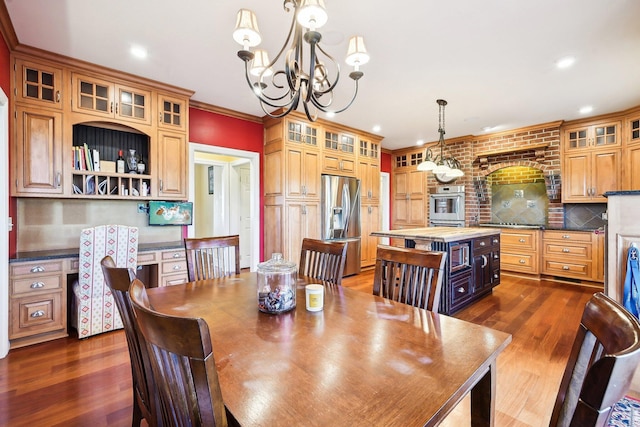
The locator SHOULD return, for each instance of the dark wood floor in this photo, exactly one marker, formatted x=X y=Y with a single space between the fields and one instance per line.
x=69 y=382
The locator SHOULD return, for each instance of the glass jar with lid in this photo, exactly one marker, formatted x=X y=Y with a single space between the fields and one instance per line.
x=277 y=285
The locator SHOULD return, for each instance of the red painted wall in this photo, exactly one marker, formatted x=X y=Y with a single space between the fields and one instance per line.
x=5 y=83
x=222 y=131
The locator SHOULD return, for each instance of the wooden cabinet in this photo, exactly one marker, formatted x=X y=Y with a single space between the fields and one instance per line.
x=338 y=154
x=37 y=302
x=369 y=174
x=38 y=84
x=410 y=199
x=302 y=172
x=37 y=151
x=486 y=263
x=303 y=220
x=588 y=175
x=572 y=254
x=370 y=220
x=631 y=170
x=172 y=164
x=173 y=268
x=592 y=135
x=54 y=101
x=519 y=251
x=96 y=96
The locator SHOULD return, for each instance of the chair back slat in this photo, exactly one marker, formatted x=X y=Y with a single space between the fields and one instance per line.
x=603 y=359
x=409 y=276
x=212 y=257
x=323 y=260
x=119 y=279
x=182 y=364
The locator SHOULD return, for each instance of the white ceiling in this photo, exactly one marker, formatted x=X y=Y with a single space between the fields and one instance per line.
x=492 y=60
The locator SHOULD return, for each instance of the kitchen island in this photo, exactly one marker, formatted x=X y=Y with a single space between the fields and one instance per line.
x=472 y=268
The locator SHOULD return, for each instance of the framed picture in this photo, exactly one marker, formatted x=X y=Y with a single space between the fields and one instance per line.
x=170 y=213
x=210 y=179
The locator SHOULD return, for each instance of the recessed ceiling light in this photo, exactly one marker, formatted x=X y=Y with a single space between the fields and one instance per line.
x=420 y=142
x=486 y=128
x=377 y=128
x=565 y=62
x=330 y=114
x=586 y=109
x=139 y=52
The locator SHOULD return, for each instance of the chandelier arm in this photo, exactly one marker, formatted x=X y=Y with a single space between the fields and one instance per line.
x=264 y=98
x=324 y=108
x=337 y=65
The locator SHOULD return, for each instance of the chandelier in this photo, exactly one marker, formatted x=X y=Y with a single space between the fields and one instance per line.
x=445 y=168
x=305 y=74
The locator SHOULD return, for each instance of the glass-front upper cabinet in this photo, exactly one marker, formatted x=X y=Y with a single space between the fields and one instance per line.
x=38 y=84
x=172 y=112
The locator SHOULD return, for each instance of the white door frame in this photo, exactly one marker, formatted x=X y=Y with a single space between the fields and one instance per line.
x=254 y=159
x=385 y=180
x=4 y=224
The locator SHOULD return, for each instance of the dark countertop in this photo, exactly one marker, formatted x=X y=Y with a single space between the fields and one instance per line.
x=622 y=193
x=541 y=227
x=73 y=252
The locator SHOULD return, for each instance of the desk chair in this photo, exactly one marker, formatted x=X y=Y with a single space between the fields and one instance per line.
x=212 y=257
x=409 y=276
x=119 y=280
x=94 y=308
x=182 y=364
x=323 y=260
x=604 y=357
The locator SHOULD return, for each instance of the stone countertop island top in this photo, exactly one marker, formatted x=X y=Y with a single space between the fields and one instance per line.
x=438 y=234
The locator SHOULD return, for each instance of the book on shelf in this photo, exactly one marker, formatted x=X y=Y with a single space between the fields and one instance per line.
x=85 y=159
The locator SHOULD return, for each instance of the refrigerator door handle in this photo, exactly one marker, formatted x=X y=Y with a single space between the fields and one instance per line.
x=346 y=207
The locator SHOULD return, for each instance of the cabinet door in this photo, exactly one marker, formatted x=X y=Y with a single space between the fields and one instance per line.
x=133 y=104
x=302 y=220
x=369 y=174
x=632 y=169
x=92 y=96
x=172 y=177
x=482 y=271
x=38 y=150
x=302 y=173
x=172 y=112
x=576 y=179
x=605 y=173
x=38 y=84
x=370 y=215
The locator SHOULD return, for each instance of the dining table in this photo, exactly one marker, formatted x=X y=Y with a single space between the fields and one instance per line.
x=362 y=360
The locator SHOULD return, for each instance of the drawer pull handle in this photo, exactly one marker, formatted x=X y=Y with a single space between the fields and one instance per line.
x=176 y=255
x=565 y=250
x=495 y=241
x=37 y=269
x=482 y=243
x=461 y=290
x=522 y=261
x=565 y=267
x=37 y=314
x=566 y=236
x=176 y=267
x=522 y=240
x=37 y=285
x=496 y=276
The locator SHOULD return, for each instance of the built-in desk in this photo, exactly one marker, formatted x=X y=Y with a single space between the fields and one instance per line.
x=40 y=281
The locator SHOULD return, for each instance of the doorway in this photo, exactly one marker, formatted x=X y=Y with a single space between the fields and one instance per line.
x=4 y=225
x=224 y=186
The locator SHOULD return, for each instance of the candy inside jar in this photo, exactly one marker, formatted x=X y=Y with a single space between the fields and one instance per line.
x=277 y=285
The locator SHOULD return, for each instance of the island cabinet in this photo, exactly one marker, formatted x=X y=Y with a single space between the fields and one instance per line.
x=472 y=266
x=73 y=119
x=369 y=174
x=296 y=154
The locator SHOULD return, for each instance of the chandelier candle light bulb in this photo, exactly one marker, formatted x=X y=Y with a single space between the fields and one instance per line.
x=308 y=73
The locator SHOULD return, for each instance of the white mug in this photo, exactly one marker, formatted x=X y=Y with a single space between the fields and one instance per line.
x=314 y=295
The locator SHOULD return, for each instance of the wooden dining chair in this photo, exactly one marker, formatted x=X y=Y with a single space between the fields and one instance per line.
x=212 y=257
x=604 y=357
x=182 y=364
x=409 y=276
x=119 y=279
x=323 y=260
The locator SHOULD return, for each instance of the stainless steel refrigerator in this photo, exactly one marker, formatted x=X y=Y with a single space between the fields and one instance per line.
x=340 y=209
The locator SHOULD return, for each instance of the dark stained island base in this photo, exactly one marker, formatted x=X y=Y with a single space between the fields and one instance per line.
x=472 y=268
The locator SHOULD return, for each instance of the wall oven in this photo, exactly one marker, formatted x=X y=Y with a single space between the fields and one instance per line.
x=446 y=206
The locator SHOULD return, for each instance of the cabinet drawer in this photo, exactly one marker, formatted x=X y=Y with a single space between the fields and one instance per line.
x=524 y=263
x=170 y=267
x=461 y=287
x=176 y=254
x=485 y=243
x=575 y=251
x=568 y=269
x=524 y=240
x=24 y=269
x=568 y=236
x=36 y=284
x=36 y=314
x=174 y=279
x=145 y=258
